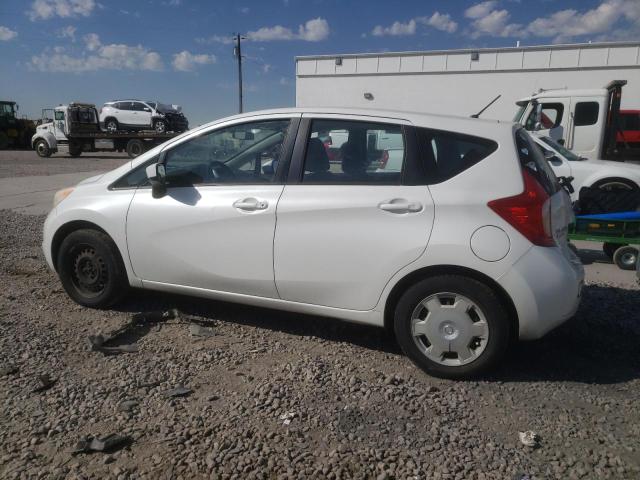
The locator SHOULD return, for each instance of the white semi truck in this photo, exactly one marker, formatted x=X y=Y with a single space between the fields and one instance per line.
x=584 y=121
x=75 y=128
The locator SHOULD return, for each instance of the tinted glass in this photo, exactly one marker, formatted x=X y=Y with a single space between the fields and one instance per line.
x=566 y=153
x=533 y=161
x=246 y=153
x=348 y=152
x=447 y=154
x=586 y=113
x=123 y=106
x=59 y=115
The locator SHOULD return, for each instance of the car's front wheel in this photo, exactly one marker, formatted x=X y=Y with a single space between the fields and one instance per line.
x=91 y=269
x=160 y=126
x=42 y=149
x=452 y=326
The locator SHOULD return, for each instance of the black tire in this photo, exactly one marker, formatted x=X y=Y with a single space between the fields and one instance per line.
x=626 y=258
x=91 y=269
x=42 y=148
x=111 y=125
x=75 y=150
x=496 y=315
x=610 y=248
x=160 y=126
x=135 y=147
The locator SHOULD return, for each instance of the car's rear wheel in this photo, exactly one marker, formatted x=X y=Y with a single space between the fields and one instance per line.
x=452 y=326
x=91 y=269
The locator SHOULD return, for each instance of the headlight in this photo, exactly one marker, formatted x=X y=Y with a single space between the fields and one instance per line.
x=61 y=195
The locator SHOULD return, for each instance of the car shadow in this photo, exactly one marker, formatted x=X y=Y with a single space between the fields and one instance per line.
x=590 y=256
x=598 y=345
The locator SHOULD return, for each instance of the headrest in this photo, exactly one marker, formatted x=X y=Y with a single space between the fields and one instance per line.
x=317 y=160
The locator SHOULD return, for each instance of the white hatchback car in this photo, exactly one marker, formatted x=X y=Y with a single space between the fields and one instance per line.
x=460 y=251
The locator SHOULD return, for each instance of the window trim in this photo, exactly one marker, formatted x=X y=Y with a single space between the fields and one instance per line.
x=296 y=171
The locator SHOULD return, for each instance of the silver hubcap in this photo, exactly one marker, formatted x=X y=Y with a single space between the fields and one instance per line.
x=112 y=127
x=628 y=258
x=160 y=127
x=41 y=149
x=449 y=329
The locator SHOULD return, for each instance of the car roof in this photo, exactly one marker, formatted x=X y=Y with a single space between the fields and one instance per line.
x=430 y=120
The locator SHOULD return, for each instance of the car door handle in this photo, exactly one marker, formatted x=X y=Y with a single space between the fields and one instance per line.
x=400 y=207
x=250 y=204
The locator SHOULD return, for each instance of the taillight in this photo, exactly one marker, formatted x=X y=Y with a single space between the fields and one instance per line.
x=528 y=212
x=384 y=159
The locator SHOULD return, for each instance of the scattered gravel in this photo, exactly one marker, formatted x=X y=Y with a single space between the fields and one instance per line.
x=279 y=395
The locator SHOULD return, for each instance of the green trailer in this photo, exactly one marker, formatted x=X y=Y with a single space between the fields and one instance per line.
x=619 y=233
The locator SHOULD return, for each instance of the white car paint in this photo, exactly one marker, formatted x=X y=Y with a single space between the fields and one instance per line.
x=586 y=172
x=332 y=251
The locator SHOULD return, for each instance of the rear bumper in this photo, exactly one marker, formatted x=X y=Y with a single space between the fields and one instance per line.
x=545 y=286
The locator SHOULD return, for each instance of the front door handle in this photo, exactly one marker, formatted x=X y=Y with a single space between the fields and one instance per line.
x=400 y=206
x=250 y=204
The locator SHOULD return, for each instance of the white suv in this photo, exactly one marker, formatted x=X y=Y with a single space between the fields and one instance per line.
x=139 y=115
x=460 y=251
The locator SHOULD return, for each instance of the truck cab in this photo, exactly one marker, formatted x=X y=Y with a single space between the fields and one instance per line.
x=62 y=122
x=584 y=121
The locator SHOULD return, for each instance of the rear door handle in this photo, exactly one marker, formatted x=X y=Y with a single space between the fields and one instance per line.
x=250 y=204
x=400 y=207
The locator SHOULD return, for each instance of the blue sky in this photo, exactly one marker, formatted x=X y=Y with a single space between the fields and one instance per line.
x=178 y=51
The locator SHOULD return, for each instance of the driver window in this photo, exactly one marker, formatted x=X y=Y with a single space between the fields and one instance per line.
x=245 y=153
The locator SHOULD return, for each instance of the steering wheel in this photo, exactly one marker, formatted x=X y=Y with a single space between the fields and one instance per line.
x=220 y=171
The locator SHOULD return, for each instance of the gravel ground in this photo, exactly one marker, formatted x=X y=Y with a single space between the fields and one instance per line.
x=22 y=163
x=278 y=395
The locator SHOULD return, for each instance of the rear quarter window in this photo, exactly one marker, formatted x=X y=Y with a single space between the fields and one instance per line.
x=447 y=154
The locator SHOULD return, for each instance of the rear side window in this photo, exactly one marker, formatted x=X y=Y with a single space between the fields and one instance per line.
x=447 y=154
x=532 y=160
x=586 y=113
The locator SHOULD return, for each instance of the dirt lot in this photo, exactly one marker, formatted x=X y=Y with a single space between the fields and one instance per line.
x=276 y=395
x=21 y=163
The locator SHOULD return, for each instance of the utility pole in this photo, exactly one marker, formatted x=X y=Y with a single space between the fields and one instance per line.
x=237 y=51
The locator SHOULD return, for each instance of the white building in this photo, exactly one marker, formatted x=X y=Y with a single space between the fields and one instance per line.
x=461 y=82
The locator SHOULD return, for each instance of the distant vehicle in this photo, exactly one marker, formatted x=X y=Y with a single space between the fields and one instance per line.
x=629 y=133
x=586 y=122
x=74 y=128
x=588 y=172
x=461 y=250
x=142 y=115
x=14 y=132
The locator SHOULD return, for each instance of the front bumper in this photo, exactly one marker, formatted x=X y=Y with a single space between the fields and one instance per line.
x=545 y=286
x=177 y=123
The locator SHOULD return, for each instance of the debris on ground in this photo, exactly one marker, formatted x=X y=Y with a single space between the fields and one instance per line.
x=127 y=405
x=287 y=417
x=179 y=391
x=46 y=382
x=529 y=438
x=107 y=444
x=155 y=316
x=8 y=370
x=98 y=345
x=200 y=331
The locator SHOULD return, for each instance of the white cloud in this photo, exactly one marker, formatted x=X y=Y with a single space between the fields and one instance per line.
x=186 y=61
x=395 y=29
x=7 y=34
x=244 y=10
x=45 y=9
x=567 y=24
x=97 y=57
x=496 y=24
x=313 y=30
x=284 y=81
x=266 y=67
x=67 y=32
x=214 y=39
x=440 y=21
x=481 y=9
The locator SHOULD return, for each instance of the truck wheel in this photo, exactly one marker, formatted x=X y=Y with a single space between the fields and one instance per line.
x=452 y=326
x=626 y=258
x=610 y=248
x=111 y=125
x=75 y=150
x=42 y=148
x=135 y=148
x=160 y=126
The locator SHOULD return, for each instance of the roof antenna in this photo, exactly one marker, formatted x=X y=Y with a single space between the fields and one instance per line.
x=476 y=115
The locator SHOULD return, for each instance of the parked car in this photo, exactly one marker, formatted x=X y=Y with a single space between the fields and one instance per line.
x=586 y=172
x=460 y=251
x=139 y=115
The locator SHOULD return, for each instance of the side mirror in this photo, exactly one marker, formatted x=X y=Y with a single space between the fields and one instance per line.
x=158 y=178
x=146 y=109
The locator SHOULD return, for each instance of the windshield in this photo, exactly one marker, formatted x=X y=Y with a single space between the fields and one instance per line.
x=6 y=109
x=519 y=113
x=568 y=154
